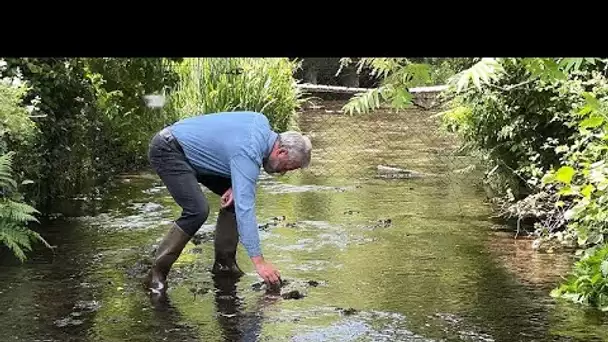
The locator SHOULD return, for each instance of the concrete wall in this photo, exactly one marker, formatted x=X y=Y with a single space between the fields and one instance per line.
x=322 y=70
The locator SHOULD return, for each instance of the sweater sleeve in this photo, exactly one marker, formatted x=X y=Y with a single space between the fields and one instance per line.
x=244 y=175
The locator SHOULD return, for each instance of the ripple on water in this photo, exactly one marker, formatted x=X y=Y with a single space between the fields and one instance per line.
x=145 y=215
x=274 y=187
x=315 y=235
x=76 y=317
x=352 y=326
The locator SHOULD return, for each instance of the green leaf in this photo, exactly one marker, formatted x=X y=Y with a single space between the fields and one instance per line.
x=574 y=63
x=590 y=60
x=566 y=191
x=483 y=71
x=585 y=110
x=587 y=190
x=604 y=268
x=592 y=122
x=553 y=70
x=548 y=178
x=364 y=102
x=401 y=98
x=564 y=174
x=591 y=100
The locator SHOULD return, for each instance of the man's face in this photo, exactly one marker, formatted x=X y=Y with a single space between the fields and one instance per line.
x=278 y=162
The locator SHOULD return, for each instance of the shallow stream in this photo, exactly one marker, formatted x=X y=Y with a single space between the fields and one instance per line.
x=410 y=259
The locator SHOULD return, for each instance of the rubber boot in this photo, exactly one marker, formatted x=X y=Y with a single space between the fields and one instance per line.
x=166 y=254
x=225 y=243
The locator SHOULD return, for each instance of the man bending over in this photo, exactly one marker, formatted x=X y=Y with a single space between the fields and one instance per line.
x=224 y=152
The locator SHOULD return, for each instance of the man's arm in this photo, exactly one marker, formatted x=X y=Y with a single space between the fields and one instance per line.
x=244 y=175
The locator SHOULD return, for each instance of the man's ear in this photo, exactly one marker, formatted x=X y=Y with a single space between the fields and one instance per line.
x=282 y=151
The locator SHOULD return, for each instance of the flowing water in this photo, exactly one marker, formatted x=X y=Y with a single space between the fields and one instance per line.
x=414 y=259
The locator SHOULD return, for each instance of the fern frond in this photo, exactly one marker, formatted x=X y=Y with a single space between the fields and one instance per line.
x=484 y=71
x=549 y=69
x=420 y=74
x=411 y=75
x=574 y=64
x=6 y=178
x=344 y=61
x=15 y=215
x=381 y=67
x=364 y=102
x=19 y=238
x=17 y=212
x=16 y=238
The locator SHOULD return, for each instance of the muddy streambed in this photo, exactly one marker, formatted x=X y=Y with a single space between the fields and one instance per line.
x=372 y=259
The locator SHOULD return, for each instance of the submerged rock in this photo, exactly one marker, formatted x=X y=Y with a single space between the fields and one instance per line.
x=381 y=223
x=272 y=223
x=67 y=321
x=80 y=308
x=390 y=171
x=347 y=312
x=89 y=305
x=147 y=207
x=287 y=289
x=202 y=237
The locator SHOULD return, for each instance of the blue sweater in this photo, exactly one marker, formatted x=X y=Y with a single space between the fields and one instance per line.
x=231 y=145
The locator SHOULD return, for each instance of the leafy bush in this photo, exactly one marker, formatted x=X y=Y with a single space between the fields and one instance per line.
x=16 y=129
x=91 y=120
x=120 y=85
x=588 y=283
x=60 y=156
x=514 y=123
x=582 y=178
x=543 y=123
x=540 y=125
x=442 y=69
x=209 y=85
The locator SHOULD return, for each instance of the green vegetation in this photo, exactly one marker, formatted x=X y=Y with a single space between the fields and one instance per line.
x=89 y=118
x=539 y=125
x=588 y=283
x=14 y=214
x=73 y=123
x=15 y=128
x=209 y=85
x=396 y=75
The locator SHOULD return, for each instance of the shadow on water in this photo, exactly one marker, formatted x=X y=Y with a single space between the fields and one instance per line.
x=370 y=259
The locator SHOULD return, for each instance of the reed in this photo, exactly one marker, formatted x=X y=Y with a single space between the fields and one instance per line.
x=211 y=85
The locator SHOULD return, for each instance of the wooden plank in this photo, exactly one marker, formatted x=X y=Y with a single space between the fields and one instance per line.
x=347 y=90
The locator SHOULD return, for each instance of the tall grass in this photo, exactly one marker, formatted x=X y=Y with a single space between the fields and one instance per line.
x=210 y=85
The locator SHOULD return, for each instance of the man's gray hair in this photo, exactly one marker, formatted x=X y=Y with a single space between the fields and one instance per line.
x=298 y=146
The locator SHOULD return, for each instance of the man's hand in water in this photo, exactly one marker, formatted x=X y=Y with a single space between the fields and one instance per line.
x=226 y=198
x=266 y=270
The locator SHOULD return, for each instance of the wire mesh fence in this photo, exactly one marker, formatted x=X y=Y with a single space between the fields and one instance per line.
x=384 y=146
